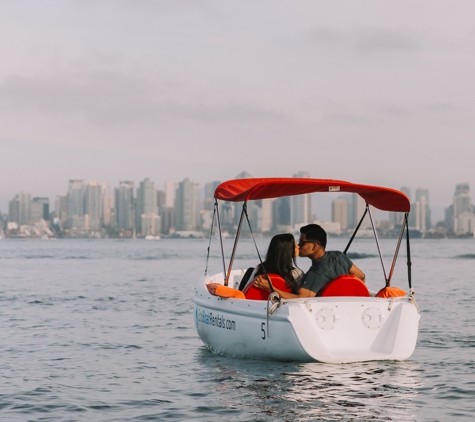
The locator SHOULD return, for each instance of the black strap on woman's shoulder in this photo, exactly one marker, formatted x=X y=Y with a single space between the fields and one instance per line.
x=244 y=207
x=245 y=278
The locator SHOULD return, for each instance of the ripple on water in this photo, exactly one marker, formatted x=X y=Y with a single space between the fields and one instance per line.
x=465 y=256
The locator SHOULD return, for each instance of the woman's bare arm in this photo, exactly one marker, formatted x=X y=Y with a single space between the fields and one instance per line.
x=262 y=283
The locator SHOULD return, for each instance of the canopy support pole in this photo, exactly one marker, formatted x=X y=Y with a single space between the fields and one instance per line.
x=356 y=231
x=238 y=233
x=209 y=244
x=218 y=223
x=396 y=252
x=377 y=243
x=409 y=263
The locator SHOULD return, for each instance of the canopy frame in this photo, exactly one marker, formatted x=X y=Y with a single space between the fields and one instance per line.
x=254 y=189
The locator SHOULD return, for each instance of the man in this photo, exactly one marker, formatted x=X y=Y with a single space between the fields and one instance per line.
x=326 y=265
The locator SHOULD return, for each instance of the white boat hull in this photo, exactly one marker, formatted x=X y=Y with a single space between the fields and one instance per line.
x=325 y=329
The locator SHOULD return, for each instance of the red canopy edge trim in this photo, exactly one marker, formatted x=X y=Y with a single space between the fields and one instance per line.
x=240 y=190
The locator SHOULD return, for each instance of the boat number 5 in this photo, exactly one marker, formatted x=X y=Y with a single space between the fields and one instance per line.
x=263 y=326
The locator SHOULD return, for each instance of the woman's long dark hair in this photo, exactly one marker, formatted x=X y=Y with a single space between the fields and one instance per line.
x=279 y=259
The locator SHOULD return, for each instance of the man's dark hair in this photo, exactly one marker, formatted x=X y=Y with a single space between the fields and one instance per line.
x=315 y=232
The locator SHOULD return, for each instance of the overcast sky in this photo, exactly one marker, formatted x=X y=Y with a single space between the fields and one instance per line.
x=367 y=91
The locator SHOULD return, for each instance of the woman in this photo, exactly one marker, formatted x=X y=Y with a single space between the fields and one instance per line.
x=279 y=265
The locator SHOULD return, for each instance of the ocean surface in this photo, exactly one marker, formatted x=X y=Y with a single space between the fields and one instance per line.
x=103 y=330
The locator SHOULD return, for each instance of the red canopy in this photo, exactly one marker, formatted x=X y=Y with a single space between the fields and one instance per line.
x=385 y=199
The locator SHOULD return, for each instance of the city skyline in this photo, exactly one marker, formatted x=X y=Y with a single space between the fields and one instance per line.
x=438 y=209
x=95 y=209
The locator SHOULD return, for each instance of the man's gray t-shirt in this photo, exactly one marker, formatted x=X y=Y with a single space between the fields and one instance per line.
x=330 y=266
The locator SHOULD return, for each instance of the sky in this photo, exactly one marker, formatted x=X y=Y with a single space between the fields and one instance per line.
x=370 y=92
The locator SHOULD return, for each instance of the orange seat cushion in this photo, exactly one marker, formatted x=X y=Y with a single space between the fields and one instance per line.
x=390 y=292
x=345 y=285
x=225 y=291
x=253 y=293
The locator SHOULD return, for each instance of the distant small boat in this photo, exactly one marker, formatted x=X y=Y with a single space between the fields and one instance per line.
x=151 y=237
x=339 y=327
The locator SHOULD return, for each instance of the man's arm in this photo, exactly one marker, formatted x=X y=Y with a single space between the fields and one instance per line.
x=263 y=284
x=354 y=270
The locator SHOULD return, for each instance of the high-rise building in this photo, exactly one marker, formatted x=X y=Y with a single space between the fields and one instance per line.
x=300 y=206
x=39 y=209
x=108 y=210
x=161 y=200
x=93 y=205
x=125 y=206
x=14 y=210
x=340 y=213
x=25 y=200
x=462 y=199
x=146 y=202
x=151 y=225
x=350 y=215
x=167 y=210
x=186 y=205
x=359 y=207
x=75 y=204
x=228 y=215
x=170 y=190
x=396 y=218
x=208 y=202
x=167 y=215
x=459 y=216
x=282 y=214
x=61 y=208
x=267 y=221
x=420 y=215
x=243 y=175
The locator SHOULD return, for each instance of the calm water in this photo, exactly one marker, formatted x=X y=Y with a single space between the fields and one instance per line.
x=102 y=330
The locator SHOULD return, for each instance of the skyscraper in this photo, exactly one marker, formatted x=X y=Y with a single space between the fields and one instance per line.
x=267 y=220
x=14 y=210
x=170 y=190
x=300 y=206
x=93 y=205
x=350 y=215
x=396 y=218
x=19 y=208
x=208 y=202
x=25 y=200
x=420 y=215
x=108 y=211
x=359 y=206
x=39 y=209
x=61 y=209
x=462 y=199
x=167 y=211
x=75 y=204
x=146 y=203
x=282 y=213
x=340 y=213
x=186 y=201
x=459 y=216
x=124 y=205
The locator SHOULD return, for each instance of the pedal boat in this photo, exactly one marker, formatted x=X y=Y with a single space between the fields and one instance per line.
x=337 y=328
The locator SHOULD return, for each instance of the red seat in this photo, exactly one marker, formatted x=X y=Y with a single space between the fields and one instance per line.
x=345 y=285
x=253 y=293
